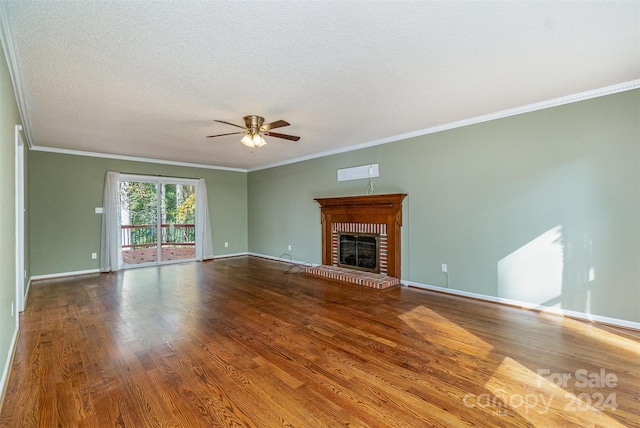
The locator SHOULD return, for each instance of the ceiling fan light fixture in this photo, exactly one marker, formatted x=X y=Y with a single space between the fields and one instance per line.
x=258 y=141
x=253 y=140
x=247 y=140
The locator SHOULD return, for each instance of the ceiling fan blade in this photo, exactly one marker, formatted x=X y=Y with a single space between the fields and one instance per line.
x=222 y=135
x=285 y=136
x=229 y=123
x=276 y=124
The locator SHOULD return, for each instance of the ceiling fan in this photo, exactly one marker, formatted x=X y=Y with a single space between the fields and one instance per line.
x=255 y=129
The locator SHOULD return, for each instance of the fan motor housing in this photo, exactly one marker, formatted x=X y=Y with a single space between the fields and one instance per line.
x=254 y=123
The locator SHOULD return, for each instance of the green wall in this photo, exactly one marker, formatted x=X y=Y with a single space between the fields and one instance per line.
x=65 y=189
x=9 y=117
x=542 y=207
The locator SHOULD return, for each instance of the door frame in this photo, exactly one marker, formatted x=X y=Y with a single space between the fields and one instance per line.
x=19 y=205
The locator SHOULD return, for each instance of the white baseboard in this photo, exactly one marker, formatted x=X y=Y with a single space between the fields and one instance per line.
x=525 y=305
x=26 y=293
x=281 y=259
x=92 y=271
x=531 y=306
x=7 y=366
x=224 y=256
x=63 y=274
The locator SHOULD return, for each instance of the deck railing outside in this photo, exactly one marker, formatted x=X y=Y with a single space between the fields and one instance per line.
x=145 y=235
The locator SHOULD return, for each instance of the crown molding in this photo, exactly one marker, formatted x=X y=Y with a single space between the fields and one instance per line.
x=10 y=56
x=555 y=102
x=132 y=158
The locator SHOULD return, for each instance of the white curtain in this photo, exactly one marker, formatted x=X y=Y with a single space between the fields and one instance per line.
x=204 y=245
x=110 y=247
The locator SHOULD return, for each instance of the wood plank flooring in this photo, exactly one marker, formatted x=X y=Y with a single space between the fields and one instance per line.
x=248 y=342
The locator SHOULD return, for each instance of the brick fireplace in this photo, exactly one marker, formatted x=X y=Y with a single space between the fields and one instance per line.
x=379 y=216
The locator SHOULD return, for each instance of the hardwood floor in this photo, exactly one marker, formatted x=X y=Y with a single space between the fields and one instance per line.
x=245 y=342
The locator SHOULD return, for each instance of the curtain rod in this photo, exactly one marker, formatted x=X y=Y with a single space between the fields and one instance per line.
x=157 y=175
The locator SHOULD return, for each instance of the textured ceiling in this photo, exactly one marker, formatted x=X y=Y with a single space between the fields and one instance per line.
x=146 y=79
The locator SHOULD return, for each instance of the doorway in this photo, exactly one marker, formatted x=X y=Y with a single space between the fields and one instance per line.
x=157 y=220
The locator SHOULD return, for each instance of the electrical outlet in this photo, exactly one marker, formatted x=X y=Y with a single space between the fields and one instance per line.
x=289 y=247
x=226 y=245
x=11 y=308
x=444 y=268
x=94 y=256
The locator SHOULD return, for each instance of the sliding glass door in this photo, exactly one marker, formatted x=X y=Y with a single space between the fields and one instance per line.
x=178 y=218
x=157 y=220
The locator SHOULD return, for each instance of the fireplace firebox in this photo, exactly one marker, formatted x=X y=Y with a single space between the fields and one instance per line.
x=359 y=251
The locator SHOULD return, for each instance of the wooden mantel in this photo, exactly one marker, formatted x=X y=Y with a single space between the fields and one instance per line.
x=373 y=209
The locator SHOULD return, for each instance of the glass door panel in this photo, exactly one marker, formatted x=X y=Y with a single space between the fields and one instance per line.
x=178 y=229
x=139 y=222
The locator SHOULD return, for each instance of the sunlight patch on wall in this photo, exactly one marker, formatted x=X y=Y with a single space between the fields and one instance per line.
x=534 y=272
